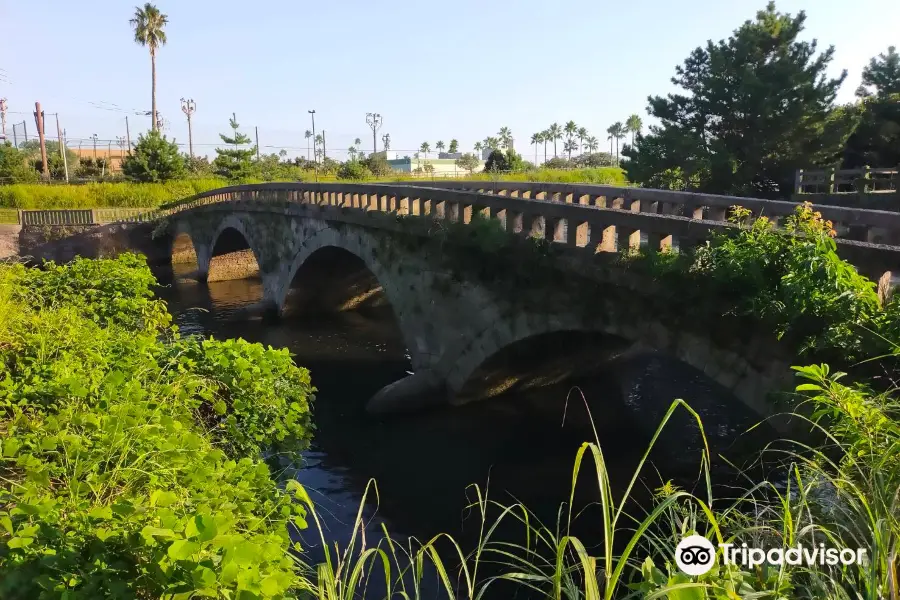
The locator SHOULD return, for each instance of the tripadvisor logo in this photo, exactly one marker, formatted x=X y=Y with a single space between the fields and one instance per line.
x=695 y=555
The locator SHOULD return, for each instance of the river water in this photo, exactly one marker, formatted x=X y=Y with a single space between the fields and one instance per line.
x=517 y=445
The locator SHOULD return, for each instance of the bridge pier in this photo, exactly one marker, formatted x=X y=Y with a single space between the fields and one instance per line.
x=421 y=390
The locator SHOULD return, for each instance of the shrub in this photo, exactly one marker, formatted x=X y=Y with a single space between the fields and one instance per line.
x=97 y=195
x=14 y=167
x=129 y=461
x=154 y=159
x=497 y=162
x=354 y=170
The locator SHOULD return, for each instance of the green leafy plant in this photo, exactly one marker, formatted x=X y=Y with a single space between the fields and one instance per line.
x=154 y=159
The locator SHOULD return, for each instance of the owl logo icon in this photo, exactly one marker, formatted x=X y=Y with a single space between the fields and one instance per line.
x=695 y=555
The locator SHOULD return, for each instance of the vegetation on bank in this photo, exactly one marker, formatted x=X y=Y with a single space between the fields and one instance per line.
x=147 y=195
x=130 y=463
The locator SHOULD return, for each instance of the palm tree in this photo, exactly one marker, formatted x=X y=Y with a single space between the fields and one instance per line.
x=505 y=137
x=478 y=148
x=555 y=133
x=618 y=131
x=571 y=128
x=609 y=130
x=148 y=24
x=439 y=146
x=318 y=141
x=307 y=135
x=633 y=124
x=352 y=152
x=425 y=148
x=582 y=135
x=535 y=140
x=545 y=137
x=592 y=144
x=569 y=146
x=357 y=142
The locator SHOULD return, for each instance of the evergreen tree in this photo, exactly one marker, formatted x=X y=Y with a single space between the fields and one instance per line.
x=235 y=163
x=154 y=159
x=876 y=140
x=454 y=147
x=757 y=106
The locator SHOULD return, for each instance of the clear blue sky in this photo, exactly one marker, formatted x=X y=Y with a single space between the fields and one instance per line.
x=435 y=70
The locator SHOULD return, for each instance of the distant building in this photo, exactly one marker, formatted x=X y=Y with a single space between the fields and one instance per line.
x=442 y=167
x=450 y=155
x=113 y=156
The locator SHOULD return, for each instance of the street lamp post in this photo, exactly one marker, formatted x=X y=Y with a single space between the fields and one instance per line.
x=373 y=120
x=315 y=158
x=188 y=107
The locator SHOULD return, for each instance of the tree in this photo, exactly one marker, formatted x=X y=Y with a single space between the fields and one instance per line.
x=469 y=162
x=497 y=162
x=307 y=135
x=881 y=76
x=478 y=148
x=876 y=140
x=154 y=159
x=545 y=137
x=633 y=125
x=592 y=144
x=505 y=136
x=425 y=148
x=439 y=146
x=454 y=147
x=555 y=133
x=611 y=137
x=571 y=129
x=378 y=165
x=535 y=140
x=56 y=165
x=357 y=142
x=148 y=24
x=14 y=166
x=352 y=152
x=234 y=163
x=617 y=130
x=570 y=146
x=756 y=107
x=582 y=135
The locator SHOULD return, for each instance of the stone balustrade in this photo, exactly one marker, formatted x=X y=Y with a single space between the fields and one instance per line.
x=591 y=217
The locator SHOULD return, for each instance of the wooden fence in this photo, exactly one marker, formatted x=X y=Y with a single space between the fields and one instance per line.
x=846 y=181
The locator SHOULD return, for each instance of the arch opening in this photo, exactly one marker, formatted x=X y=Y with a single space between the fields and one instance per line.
x=232 y=258
x=334 y=280
x=335 y=292
x=184 y=255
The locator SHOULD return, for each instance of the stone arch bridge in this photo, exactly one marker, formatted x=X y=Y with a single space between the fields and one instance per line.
x=453 y=318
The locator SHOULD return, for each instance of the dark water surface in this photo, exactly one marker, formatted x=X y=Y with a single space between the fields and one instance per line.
x=424 y=462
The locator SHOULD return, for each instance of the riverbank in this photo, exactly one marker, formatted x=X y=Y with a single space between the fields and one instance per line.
x=150 y=195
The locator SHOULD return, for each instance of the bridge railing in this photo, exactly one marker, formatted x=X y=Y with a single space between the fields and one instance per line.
x=596 y=218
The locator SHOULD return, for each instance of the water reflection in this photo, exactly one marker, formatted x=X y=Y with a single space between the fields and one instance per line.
x=523 y=444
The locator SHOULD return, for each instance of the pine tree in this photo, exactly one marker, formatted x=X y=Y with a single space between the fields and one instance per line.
x=235 y=163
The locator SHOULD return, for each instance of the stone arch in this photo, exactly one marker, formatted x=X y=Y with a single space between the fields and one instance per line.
x=236 y=223
x=319 y=235
x=748 y=375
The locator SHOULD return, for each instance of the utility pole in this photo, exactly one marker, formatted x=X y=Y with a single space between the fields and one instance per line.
x=187 y=107
x=386 y=140
x=256 y=129
x=62 y=148
x=128 y=134
x=39 y=121
x=373 y=120
x=3 y=118
x=316 y=160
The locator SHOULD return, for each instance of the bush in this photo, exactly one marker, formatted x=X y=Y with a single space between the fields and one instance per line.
x=154 y=159
x=98 y=195
x=354 y=170
x=497 y=162
x=130 y=456
x=14 y=166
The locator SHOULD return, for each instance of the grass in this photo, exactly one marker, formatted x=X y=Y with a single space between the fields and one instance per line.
x=150 y=195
